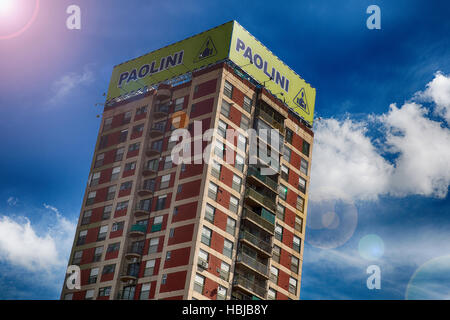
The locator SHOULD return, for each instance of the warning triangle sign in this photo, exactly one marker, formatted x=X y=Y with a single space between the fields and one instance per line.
x=206 y=50
x=300 y=100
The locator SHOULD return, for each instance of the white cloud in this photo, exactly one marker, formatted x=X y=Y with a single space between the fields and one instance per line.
x=438 y=91
x=348 y=164
x=69 y=82
x=12 y=201
x=21 y=245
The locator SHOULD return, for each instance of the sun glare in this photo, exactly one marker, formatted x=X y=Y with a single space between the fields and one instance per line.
x=6 y=7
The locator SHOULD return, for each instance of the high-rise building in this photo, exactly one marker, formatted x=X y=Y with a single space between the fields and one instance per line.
x=228 y=225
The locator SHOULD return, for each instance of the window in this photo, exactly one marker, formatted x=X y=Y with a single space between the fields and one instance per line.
x=104 y=292
x=134 y=146
x=300 y=203
x=68 y=296
x=273 y=274
x=271 y=294
x=122 y=205
x=219 y=149
x=164 y=279
x=168 y=255
x=212 y=191
x=86 y=217
x=222 y=129
x=95 y=179
x=161 y=202
x=103 y=142
x=242 y=142
x=224 y=271
x=98 y=252
x=126 y=185
x=289 y=135
x=119 y=154
x=171 y=232
x=196 y=88
x=279 y=232
x=111 y=193
x=209 y=213
x=199 y=283
x=294 y=264
x=149 y=184
x=287 y=154
x=221 y=293
x=282 y=191
x=227 y=248
x=245 y=122
x=239 y=163
x=247 y=104
x=77 y=257
x=91 y=197
x=93 y=276
x=237 y=183
x=138 y=129
x=153 y=245
x=123 y=135
x=110 y=268
x=234 y=203
x=165 y=181
x=102 y=233
x=280 y=211
x=89 y=294
x=141 y=110
x=81 y=237
x=284 y=172
x=145 y=204
x=206 y=236
x=292 y=285
x=157 y=224
x=113 y=247
x=298 y=223
x=107 y=124
x=296 y=244
x=231 y=225
x=304 y=166
x=106 y=214
x=145 y=291
x=157 y=145
x=215 y=169
x=117 y=226
x=228 y=89
x=305 y=148
x=127 y=117
x=302 y=184
x=225 y=109
x=203 y=256
x=168 y=162
x=149 y=268
x=115 y=173
x=276 y=252
x=152 y=165
x=130 y=166
x=99 y=160
x=179 y=104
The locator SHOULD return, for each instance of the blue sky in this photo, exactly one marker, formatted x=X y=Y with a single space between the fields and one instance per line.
x=380 y=173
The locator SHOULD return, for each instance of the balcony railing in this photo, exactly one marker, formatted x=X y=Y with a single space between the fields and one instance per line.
x=249 y=192
x=274 y=123
x=253 y=263
x=256 y=241
x=264 y=179
x=138 y=230
x=249 y=285
x=264 y=221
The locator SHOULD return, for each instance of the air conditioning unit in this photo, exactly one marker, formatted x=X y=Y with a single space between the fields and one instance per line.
x=203 y=264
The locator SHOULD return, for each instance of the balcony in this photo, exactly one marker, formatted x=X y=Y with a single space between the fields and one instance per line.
x=262 y=180
x=135 y=251
x=253 y=264
x=164 y=91
x=270 y=120
x=150 y=169
x=161 y=111
x=256 y=242
x=141 y=211
x=157 y=131
x=249 y=286
x=146 y=190
x=265 y=221
x=137 y=230
x=257 y=198
x=151 y=151
x=131 y=272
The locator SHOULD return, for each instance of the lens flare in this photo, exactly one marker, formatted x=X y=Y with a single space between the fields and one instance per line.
x=9 y=11
x=371 y=247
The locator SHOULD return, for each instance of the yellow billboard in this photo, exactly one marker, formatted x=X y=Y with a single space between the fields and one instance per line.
x=262 y=65
x=171 y=61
